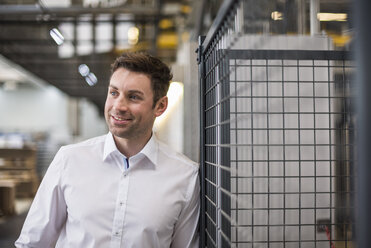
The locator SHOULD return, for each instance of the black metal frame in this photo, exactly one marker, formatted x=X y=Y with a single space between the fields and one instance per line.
x=344 y=172
x=249 y=55
x=202 y=142
x=363 y=53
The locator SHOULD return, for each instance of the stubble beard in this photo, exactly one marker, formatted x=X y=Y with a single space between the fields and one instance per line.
x=131 y=131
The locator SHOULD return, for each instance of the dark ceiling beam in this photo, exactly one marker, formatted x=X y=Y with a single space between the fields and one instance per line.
x=32 y=20
x=53 y=61
x=16 y=10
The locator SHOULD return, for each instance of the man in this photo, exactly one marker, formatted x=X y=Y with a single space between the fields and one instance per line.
x=123 y=189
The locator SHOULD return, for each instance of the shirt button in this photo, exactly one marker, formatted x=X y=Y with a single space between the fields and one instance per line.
x=121 y=203
x=117 y=233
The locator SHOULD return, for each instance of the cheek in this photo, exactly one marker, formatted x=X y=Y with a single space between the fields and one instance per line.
x=107 y=109
x=142 y=113
x=108 y=104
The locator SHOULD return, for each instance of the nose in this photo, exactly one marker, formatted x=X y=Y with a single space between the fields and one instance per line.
x=120 y=104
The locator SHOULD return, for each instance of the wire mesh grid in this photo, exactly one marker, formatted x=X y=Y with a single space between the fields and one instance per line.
x=277 y=145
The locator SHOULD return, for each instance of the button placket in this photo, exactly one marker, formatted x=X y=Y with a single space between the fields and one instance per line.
x=119 y=215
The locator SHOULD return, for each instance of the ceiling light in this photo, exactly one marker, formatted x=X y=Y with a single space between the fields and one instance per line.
x=91 y=79
x=84 y=70
x=133 y=35
x=328 y=17
x=166 y=23
x=277 y=16
x=57 y=36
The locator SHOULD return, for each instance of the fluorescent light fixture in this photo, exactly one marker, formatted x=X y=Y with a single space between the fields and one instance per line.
x=57 y=36
x=277 y=16
x=330 y=17
x=84 y=70
x=91 y=79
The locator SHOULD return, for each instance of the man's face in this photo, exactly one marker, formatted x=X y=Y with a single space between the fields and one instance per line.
x=129 y=108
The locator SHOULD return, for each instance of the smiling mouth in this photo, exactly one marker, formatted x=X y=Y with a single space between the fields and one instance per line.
x=120 y=119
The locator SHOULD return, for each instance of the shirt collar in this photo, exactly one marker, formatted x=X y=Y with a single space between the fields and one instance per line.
x=109 y=146
x=149 y=150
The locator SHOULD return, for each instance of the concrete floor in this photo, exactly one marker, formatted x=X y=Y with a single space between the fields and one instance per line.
x=10 y=226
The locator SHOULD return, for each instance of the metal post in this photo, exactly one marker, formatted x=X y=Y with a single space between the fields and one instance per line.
x=201 y=73
x=363 y=77
x=94 y=33
x=114 y=33
x=314 y=22
x=301 y=16
x=75 y=40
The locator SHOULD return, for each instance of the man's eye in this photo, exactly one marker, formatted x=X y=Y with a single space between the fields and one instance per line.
x=113 y=93
x=134 y=97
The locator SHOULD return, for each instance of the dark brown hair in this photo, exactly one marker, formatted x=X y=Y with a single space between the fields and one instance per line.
x=158 y=71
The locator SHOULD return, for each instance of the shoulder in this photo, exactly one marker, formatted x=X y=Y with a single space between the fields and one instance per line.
x=77 y=155
x=177 y=158
x=89 y=144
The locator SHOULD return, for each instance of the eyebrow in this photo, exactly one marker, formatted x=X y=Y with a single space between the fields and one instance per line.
x=130 y=91
x=136 y=92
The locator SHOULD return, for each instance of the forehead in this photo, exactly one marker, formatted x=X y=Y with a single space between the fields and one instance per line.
x=128 y=80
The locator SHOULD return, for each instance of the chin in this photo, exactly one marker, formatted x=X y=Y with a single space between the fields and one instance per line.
x=118 y=133
x=125 y=134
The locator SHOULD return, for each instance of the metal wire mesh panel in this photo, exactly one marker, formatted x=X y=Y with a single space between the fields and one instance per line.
x=277 y=165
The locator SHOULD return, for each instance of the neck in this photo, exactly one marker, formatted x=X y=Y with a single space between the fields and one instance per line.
x=130 y=147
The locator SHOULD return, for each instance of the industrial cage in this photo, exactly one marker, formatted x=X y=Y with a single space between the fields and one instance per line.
x=277 y=141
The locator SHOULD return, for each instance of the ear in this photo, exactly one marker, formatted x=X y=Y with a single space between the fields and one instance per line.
x=161 y=106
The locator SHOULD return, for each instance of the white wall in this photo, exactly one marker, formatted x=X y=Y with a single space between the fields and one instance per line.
x=31 y=109
x=187 y=62
x=92 y=122
x=45 y=109
x=294 y=42
x=169 y=126
x=180 y=129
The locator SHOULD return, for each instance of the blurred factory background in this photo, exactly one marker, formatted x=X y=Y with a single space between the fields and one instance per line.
x=55 y=58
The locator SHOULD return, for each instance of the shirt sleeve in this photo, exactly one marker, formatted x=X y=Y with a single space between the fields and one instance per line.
x=47 y=214
x=186 y=229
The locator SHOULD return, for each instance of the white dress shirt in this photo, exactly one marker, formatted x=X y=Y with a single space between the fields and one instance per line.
x=89 y=198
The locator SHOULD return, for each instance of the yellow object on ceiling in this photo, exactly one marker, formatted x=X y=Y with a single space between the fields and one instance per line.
x=340 y=40
x=166 y=23
x=167 y=40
